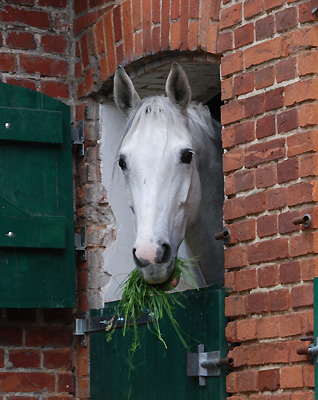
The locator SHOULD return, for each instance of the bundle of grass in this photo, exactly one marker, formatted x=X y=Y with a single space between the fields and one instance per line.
x=139 y=298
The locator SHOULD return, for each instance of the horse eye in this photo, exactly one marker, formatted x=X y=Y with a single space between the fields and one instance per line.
x=122 y=163
x=186 y=156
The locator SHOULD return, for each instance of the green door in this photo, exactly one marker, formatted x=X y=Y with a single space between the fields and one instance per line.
x=161 y=374
x=37 y=265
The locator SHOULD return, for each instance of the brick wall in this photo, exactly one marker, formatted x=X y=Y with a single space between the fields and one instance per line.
x=269 y=85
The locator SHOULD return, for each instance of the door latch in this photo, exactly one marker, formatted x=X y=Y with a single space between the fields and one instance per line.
x=204 y=364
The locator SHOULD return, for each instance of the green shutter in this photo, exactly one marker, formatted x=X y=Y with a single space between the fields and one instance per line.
x=161 y=374
x=37 y=262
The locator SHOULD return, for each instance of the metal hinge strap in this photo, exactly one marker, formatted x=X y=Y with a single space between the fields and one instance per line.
x=78 y=136
x=80 y=243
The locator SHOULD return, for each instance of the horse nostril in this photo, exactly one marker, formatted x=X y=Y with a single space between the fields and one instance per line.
x=140 y=262
x=164 y=254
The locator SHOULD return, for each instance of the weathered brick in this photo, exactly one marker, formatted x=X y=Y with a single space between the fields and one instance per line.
x=299 y=193
x=285 y=222
x=255 y=203
x=262 y=52
x=264 y=152
x=252 y=7
x=27 y=381
x=59 y=358
x=45 y=66
x=308 y=63
x=286 y=19
x=267 y=225
x=21 y=40
x=225 y=42
x=242 y=231
x=292 y=377
x=287 y=170
x=303 y=244
x=286 y=69
x=274 y=99
x=264 y=77
x=246 y=330
x=265 y=27
x=24 y=358
x=244 y=83
x=256 y=303
x=267 y=327
x=235 y=305
x=301 y=91
x=269 y=379
x=268 y=276
x=235 y=257
x=54 y=44
x=278 y=300
x=267 y=353
x=265 y=126
x=308 y=165
x=244 y=132
x=35 y=18
x=308 y=114
x=233 y=160
x=301 y=296
x=244 y=35
x=231 y=63
x=230 y=16
x=266 y=176
x=254 y=105
x=234 y=208
x=267 y=251
x=276 y=198
x=302 y=142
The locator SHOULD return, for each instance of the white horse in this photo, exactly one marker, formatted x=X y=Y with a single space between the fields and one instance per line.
x=171 y=157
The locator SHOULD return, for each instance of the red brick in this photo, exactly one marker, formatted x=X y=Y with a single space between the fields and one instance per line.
x=265 y=27
x=174 y=35
x=302 y=296
x=285 y=222
x=266 y=176
x=231 y=112
x=303 y=244
x=54 y=3
x=256 y=303
x=231 y=382
x=265 y=126
x=244 y=83
x=286 y=69
x=308 y=165
x=299 y=193
x=268 y=276
x=274 y=99
x=264 y=152
x=246 y=330
x=229 y=185
x=54 y=44
x=24 y=358
x=252 y=7
x=247 y=381
x=254 y=105
x=7 y=62
x=230 y=16
x=267 y=327
x=108 y=25
x=245 y=280
x=292 y=377
x=302 y=142
x=276 y=198
x=300 y=38
x=228 y=137
x=227 y=89
x=244 y=35
x=225 y=42
x=45 y=66
x=301 y=91
x=269 y=379
x=27 y=381
x=309 y=269
x=239 y=355
x=243 y=231
x=233 y=159
x=286 y=19
x=308 y=114
x=38 y=19
x=231 y=63
x=55 y=89
x=53 y=359
x=21 y=40
x=287 y=120
x=193 y=35
x=230 y=332
x=244 y=180
x=267 y=251
x=264 y=77
x=269 y=4
x=234 y=208
x=65 y=382
x=267 y=353
x=255 y=203
x=22 y=82
x=235 y=257
x=308 y=63
x=48 y=336
x=278 y=300
x=235 y=306
x=10 y=336
x=264 y=51
x=287 y=170
x=267 y=225
x=1 y=358
x=244 y=132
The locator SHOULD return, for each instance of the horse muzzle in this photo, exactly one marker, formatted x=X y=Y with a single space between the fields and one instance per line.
x=157 y=267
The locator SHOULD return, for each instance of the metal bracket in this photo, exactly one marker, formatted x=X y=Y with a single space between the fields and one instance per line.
x=78 y=136
x=203 y=364
x=87 y=325
x=80 y=243
x=313 y=350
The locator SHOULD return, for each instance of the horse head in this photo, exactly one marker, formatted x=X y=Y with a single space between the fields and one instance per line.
x=160 y=169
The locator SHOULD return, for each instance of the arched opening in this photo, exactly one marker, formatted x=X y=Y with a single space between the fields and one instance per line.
x=149 y=78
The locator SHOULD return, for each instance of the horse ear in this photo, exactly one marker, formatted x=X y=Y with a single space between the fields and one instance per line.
x=125 y=94
x=178 y=88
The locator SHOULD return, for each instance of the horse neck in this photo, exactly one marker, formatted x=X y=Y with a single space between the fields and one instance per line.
x=200 y=235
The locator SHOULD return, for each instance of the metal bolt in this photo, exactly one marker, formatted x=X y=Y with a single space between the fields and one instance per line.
x=8 y=125
x=10 y=234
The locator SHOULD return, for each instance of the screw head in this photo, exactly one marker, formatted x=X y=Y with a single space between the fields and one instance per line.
x=8 y=125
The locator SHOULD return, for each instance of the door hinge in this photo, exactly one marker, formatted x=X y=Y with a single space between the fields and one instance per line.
x=78 y=136
x=204 y=364
x=80 y=243
x=106 y=323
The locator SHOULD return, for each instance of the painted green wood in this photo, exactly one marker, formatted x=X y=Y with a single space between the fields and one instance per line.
x=37 y=264
x=316 y=333
x=159 y=373
x=28 y=124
